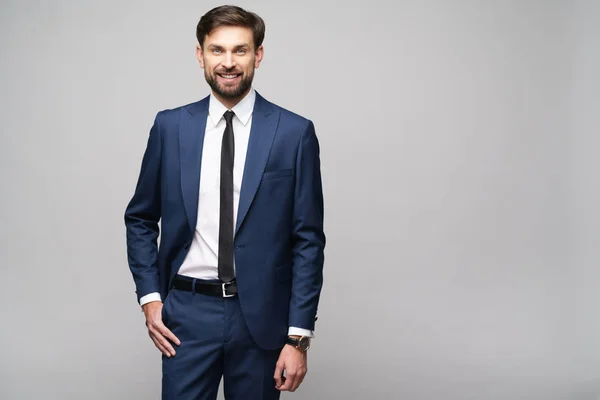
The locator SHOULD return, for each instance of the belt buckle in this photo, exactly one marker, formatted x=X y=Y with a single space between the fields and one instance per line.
x=225 y=292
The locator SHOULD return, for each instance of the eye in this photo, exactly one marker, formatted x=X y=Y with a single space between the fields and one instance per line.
x=216 y=51
x=241 y=51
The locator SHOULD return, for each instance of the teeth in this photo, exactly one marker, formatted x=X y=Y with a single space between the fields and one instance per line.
x=229 y=76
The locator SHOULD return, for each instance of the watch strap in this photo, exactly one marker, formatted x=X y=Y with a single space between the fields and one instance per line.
x=302 y=344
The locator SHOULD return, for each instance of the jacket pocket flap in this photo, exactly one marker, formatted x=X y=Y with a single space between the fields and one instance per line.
x=277 y=174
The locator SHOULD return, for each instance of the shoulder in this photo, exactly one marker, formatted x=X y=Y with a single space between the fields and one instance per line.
x=170 y=116
x=287 y=117
x=292 y=116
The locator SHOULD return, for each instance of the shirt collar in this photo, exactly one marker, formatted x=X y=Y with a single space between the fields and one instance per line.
x=242 y=110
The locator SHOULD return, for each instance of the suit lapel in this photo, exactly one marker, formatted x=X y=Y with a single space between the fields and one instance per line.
x=262 y=133
x=191 y=140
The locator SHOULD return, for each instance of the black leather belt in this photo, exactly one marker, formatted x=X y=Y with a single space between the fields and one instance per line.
x=212 y=289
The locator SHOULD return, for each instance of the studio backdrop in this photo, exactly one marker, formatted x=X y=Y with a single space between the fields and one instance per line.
x=459 y=149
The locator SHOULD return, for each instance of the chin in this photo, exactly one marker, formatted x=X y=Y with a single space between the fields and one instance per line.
x=230 y=94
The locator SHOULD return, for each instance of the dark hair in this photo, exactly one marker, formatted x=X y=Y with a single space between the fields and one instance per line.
x=230 y=16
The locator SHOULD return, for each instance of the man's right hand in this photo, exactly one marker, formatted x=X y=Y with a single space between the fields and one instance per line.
x=158 y=332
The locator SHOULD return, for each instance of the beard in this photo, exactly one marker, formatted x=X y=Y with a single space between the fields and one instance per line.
x=229 y=92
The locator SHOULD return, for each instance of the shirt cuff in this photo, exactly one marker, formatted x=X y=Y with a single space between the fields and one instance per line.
x=300 y=332
x=150 y=297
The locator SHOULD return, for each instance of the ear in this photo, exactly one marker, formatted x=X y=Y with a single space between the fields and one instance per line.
x=200 y=56
x=258 y=56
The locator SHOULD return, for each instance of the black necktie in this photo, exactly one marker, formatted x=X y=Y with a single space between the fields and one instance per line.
x=226 y=272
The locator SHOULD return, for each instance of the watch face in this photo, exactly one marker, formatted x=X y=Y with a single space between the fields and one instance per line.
x=304 y=343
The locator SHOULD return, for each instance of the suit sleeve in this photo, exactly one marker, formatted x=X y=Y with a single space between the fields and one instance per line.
x=308 y=236
x=142 y=216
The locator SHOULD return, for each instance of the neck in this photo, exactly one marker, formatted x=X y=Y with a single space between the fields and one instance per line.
x=230 y=102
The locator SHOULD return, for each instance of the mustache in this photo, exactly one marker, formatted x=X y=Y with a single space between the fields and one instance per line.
x=228 y=72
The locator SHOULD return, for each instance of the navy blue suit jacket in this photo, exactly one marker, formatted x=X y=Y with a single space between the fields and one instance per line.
x=279 y=239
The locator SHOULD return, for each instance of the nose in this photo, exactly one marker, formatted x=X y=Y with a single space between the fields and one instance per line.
x=228 y=61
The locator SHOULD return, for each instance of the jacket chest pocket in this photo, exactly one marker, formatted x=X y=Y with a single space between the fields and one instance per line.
x=281 y=173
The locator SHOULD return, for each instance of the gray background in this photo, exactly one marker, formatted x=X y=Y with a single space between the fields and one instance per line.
x=459 y=152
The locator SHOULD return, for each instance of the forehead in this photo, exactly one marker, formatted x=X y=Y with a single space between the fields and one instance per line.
x=229 y=36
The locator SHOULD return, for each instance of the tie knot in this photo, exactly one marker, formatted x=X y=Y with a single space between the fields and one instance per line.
x=228 y=116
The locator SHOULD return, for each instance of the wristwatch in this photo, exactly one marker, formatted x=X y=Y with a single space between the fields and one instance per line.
x=302 y=344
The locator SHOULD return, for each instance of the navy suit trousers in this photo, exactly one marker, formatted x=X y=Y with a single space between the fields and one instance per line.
x=215 y=343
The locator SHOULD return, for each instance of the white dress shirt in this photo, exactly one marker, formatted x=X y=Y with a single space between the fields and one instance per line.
x=201 y=260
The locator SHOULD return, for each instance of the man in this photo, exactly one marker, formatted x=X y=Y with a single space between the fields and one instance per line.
x=235 y=180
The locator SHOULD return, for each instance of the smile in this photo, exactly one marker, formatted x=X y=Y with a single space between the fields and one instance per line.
x=229 y=76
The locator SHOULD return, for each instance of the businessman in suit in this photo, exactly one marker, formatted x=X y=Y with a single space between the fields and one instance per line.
x=232 y=291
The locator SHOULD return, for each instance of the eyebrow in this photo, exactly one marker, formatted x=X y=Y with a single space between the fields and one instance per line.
x=239 y=46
